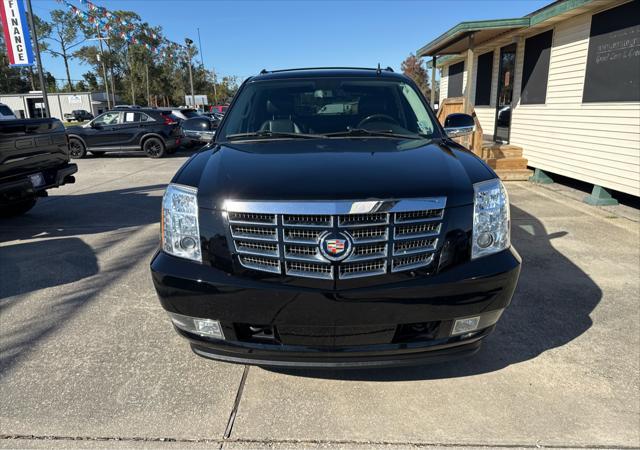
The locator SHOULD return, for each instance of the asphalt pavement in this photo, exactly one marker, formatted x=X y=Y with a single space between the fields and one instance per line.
x=88 y=358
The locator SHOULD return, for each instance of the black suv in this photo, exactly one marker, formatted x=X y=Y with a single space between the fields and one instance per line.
x=79 y=115
x=151 y=130
x=334 y=223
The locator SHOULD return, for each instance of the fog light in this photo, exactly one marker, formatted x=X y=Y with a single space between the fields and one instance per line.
x=202 y=327
x=485 y=240
x=465 y=325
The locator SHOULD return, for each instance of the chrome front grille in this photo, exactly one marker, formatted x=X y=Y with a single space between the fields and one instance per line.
x=287 y=237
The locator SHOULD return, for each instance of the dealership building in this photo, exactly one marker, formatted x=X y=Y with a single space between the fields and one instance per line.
x=31 y=105
x=557 y=91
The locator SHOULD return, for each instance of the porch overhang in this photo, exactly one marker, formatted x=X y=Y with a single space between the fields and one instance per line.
x=453 y=41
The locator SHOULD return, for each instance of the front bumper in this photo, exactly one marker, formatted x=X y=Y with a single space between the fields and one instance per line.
x=19 y=187
x=364 y=327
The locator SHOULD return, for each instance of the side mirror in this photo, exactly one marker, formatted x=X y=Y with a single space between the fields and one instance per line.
x=97 y=126
x=458 y=124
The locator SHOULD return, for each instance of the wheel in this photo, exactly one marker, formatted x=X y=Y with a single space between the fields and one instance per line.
x=154 y=148
x=96 y=153
x=18 y=208
x=77 y=149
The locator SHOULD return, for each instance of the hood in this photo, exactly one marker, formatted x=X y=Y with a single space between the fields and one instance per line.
x=336 y=169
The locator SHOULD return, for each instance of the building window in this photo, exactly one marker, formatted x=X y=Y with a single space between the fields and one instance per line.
x=483 y=79
x=535 y=70
x=613 y=60
x=455 y=80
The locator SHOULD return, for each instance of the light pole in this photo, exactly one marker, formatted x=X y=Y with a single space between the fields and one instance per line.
x=45 y=98
x=104 y=69
x=189 y=42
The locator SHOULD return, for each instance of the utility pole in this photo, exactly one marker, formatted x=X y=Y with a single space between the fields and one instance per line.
x=189 y=42
x=200 y=49
x=43 y=87
x=215 y=93
x=104 y=69
x=148 y=95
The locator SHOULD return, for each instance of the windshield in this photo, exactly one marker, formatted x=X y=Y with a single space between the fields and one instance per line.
x=326 y=107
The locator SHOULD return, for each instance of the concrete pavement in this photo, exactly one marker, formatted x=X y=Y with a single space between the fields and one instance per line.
x=88 y=358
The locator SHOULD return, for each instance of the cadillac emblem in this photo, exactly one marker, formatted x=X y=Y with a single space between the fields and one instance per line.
x=335 y=246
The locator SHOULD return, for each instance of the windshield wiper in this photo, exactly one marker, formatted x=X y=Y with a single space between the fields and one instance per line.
x=365 y=132
x=272 y=134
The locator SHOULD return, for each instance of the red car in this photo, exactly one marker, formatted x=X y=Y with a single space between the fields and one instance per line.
x=222 y=109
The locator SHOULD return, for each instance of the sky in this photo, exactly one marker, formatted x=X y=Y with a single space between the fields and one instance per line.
x=243 y=37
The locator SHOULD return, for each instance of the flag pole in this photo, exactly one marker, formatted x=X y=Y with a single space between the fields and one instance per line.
x=43 y=87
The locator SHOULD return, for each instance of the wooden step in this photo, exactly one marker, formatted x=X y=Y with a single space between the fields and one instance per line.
x=514 y=175
x=508 y=163
x=501 y=151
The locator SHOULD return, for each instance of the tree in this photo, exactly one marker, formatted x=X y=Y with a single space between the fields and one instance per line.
x=63 y=30
x=414 y=68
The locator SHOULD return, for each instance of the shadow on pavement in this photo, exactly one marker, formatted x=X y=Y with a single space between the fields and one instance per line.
x=550 y=308
x=60 y=256
x=96 y=212
x=179 y=153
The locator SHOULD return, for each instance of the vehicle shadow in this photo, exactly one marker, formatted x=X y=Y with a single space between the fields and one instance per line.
x=90 y=213
x=46 y=249
x=550 y=308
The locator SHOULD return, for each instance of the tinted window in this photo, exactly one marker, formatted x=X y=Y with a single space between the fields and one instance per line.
x=189 y=113
x=136 y=117
x=329 y=105
x=613 y=59
x=5 y=111
x=455 y=80
x=109 y=118
x=483 y=79
x=197 y=124
x=535 y=71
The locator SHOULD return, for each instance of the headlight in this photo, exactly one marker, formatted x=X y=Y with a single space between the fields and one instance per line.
x=491 y=219
x=180 y=230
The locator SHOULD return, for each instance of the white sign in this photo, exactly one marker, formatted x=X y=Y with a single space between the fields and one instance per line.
x=74 y=99
x=16 y=33
x=200 y=100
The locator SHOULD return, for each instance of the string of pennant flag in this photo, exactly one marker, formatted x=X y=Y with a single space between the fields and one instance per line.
x=126 y=29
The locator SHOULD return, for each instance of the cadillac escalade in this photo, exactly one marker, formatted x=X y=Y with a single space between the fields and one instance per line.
x=333 y=222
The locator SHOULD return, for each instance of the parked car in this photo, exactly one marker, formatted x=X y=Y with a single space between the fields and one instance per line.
x=153 y=131
x=198 y=131
x=222 y=109
x=362 y=238
x=79 y=115
x=185 y=113
x=214 y=115
x=6 y=113
x=34 y=157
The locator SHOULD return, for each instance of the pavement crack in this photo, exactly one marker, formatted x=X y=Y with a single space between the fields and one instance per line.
x=236 y=403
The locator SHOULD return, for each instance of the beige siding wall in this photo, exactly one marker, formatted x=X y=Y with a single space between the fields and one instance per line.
x=594 y=142
x=444 y=83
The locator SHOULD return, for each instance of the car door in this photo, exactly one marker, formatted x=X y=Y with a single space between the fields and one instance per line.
x=103 y=132
x=136 y=124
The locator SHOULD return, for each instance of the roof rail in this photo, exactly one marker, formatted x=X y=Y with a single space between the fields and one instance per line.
x=265 y=71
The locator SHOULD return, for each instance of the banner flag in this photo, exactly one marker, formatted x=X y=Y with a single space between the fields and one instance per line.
x=16 y=33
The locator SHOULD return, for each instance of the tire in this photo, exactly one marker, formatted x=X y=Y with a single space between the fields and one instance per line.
x=154 y=148
x=18 y=208
x=77 y=149
x=97 y=153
